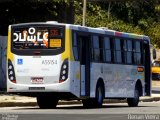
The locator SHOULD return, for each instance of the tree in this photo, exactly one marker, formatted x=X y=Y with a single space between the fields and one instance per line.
x=140 y=17
x=21 y=11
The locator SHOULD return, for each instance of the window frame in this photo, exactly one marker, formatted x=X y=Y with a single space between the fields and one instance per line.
x=124 y=51
x=41 y=52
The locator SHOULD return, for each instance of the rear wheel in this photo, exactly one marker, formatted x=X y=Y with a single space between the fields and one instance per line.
x=133 y=102
x=47 y=102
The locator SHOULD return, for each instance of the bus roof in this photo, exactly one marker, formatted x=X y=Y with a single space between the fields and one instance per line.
x=108 y=32
x=100 y=30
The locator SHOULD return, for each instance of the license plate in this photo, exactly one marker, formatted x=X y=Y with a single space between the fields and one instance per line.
x=37 y=80
x=36 y=88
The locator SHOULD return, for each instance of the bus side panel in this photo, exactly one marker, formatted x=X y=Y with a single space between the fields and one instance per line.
x=119 y=80
x=122 y=80
x=96 y=73
x=74 y=66
x=74 y=76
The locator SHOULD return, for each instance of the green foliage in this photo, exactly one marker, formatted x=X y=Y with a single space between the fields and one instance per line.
x=140 y=17
x=154 y=33
x=135 y=16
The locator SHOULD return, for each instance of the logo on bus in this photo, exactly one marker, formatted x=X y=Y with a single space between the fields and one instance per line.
x=30 y=35
x=19 y=61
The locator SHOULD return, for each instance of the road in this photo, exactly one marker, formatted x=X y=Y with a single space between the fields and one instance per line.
x=118 y=111
x=156 y=90
x=156 y=86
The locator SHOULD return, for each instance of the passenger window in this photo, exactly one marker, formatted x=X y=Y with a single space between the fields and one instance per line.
x=125 y=51
x=137 y=53
x=75 y=47
x=117 y=51
x=107 y=47
x=95 y=48
x=129 y=51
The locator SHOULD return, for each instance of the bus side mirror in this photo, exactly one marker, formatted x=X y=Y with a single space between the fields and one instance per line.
x=154 y=54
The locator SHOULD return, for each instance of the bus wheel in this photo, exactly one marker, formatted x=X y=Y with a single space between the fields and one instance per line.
x=98 y=101
x=47 y=102
x=133 y=102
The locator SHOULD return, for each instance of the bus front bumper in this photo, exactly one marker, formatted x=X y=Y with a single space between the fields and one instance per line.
x=56 y=87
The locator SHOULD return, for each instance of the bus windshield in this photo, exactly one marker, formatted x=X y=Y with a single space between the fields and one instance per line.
x=25 y=38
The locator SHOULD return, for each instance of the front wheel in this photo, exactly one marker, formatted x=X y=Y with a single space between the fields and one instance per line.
x=133 y=102
x=97 y=101
x=99 y=95
x=47 y=102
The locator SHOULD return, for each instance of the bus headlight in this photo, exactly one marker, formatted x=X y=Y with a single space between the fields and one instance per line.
x=11 y=73
x=64 y=71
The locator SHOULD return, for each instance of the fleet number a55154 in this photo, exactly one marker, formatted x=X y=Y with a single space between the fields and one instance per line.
x=49 y=62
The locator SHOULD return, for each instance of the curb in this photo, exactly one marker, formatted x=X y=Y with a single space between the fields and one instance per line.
x=108 y=101
x=17 y=104
x=152 y=99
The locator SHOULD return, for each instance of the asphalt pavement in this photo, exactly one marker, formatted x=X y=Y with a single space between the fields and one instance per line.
x=156 y=90
x=114 y=111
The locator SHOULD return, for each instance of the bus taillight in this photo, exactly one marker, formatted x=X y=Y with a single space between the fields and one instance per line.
x=64 y=71
x=11 y=73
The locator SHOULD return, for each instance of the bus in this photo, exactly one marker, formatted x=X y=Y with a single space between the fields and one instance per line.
x=55 y=61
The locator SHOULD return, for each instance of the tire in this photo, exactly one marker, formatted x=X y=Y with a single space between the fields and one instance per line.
x=97 y=101
x=133 y=102
x=47 y=102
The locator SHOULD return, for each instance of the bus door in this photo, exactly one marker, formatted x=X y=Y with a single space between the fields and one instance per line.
x=84 y=41
x=147 y=65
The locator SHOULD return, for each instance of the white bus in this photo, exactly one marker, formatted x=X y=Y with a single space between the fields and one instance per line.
x=54 y=61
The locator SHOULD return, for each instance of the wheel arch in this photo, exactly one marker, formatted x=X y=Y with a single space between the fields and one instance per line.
x=139 y=87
